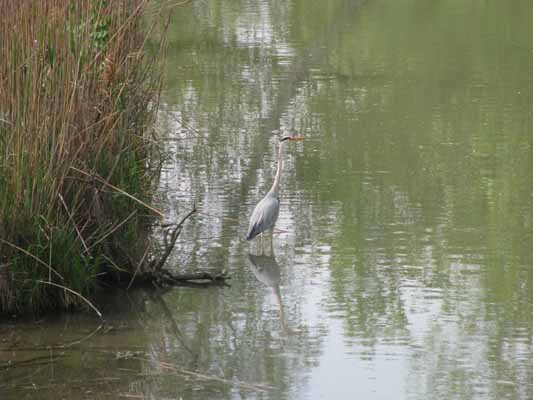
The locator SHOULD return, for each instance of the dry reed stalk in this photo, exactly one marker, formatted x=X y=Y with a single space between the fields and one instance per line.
x=75 y=95
x=75 y=293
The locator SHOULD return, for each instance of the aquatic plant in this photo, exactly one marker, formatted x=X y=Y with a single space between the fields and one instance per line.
x=77 y=100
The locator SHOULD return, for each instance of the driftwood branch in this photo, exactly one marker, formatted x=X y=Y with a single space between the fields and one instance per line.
x=167 y=278
x=160 y=277
x=164 y=279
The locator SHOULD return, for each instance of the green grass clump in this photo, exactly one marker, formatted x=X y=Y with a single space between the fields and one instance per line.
x=77 y=96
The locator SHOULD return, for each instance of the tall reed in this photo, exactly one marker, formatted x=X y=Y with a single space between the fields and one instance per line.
x=77 y=94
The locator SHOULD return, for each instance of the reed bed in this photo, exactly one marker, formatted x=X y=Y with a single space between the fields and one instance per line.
x=77 y=100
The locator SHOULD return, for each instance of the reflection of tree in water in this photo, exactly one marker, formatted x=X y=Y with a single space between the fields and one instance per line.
x=421 y=186
x=220 y=339
x=434 y=214
x=270 y=92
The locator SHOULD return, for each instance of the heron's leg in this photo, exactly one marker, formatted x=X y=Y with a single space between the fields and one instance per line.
x=272 y=242
x=261 y=247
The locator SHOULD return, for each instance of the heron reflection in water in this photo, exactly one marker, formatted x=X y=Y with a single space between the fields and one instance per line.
x=266 y=212
x=266 y=270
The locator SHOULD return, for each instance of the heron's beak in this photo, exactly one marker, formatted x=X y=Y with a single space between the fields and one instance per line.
x=297 y=138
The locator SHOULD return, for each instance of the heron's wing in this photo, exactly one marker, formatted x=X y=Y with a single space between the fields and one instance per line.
x=264 y=216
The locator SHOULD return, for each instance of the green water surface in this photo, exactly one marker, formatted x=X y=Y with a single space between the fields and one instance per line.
x=403 y=268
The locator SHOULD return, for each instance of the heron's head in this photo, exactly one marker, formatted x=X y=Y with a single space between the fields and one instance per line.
x=296 y=138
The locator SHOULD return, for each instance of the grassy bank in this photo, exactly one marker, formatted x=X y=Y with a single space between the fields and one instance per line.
x=77 y=95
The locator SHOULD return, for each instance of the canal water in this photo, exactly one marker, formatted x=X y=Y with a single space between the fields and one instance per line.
x=402 y=267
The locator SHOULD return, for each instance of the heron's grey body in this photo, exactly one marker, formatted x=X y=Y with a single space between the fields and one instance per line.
x=266 y=211
x=264 y=216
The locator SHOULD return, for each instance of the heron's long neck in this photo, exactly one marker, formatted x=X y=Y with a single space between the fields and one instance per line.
x=277 y=179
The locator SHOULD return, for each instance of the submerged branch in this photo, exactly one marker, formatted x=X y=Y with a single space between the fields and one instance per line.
x=166 y=278
x=260 y=387
x=160 y=277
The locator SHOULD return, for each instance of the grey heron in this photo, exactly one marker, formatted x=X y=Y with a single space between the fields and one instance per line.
x=266 y=212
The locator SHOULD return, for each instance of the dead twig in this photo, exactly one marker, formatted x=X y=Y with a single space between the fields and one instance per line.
x=75 y=293
x=34 y=361
x=73 y=222
x=138 y=268
x=113 y=229
x=173 y=237
x=102 y=180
